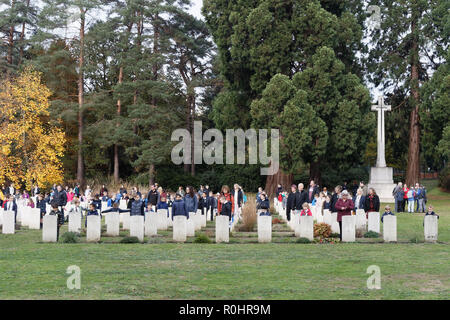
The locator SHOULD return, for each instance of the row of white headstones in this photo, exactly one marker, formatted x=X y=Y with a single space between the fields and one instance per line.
x=303 y=226
x=138 y=226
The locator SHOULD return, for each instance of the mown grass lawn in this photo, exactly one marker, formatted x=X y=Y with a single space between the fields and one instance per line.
x=33 y=270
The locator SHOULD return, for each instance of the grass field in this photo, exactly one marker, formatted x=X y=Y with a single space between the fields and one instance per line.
x=242 y=269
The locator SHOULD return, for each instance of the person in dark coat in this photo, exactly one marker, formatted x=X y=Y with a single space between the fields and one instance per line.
x=60 y=198
x=398 y=197
x=211 y=204
x=137 y=206
x=290 y=203
x=279 y=190
x=430 y=212
x=372 y=202
x=152 y=197
x=312 y=191
x=190 y=200
x=60 y=218
x=11 y=205
x=335 y=197
x=178 y=207
x=300 y=197
x=226 y=207
x=344 y=207
x=387 y=212
x=91 y=212
x=42 y=205
x=264 y=205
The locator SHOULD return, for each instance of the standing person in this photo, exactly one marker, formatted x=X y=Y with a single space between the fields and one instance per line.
x=410 y=195
x=344 y=207
x=372 y=202
x=279 y=189
x=137 y=207
x=35 y=191
x=325 y=191
x=91 y=212
x=335 y=197
x=122 y=189
x=228 y=196
x=305 y=210
x=405 y=198
x=190 y=200
x=260 y=190
x=203 y=203
x=387 y=212
x=88 y=192
x=290 y=203
x=162 y=204
x=11 y=190
x=42 y=205
x=77 y=191
x=226 y=207
x=60 y=198
x=263 y=206
x=152 y=197
x=312 y=191
x=178 y=207
x=181 y=191
x=422 y=199
x=364 y=188
x=70 y=195
x=11 y=205
x=103 y=189
x=211 y=204
x=238 y=199
x=300 y=197
x=359 y=200
x=60 y=218
x=397 y=192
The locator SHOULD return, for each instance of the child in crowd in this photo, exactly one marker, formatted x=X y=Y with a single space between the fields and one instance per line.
x=60 y=218
x=305 y=211
x=264 y=205
x=178 y=208
x=327 y=203
x=162 y=204
x=430 y=212
x=410 y=195
x=92 y=212
x=226 y=207
x=97 y=202
x=42 y=205
x=30 y=203
x=387 y=212
x=105 y=197
x=203 y=203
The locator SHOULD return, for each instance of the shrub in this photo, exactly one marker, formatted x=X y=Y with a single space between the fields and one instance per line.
x=322 y=230
x=335 y=235
x=69 y=237
x=276 y=221
x=371 y=234
x=249 y=217
x=359 y=233
x=415 y=239
x=202 y=238
x=130 y=240
x=303 y=240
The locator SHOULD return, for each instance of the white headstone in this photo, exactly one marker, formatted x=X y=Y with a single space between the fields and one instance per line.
x=348 y=228
x=334 y=224
x=204 y=219
x=104 y=205
x=123 y=204
x=24 y=215
x=34 y=219
x=390 y=228
x=125 y=220
x=93 y=232
x=137 y=227
x=8 y=222
x=307 y=227
x=374 y=222
x=222 y=229
x=430 y=228
x=295 y=223
x=162 y=219
x=1 y=217
x=113 y=224
x=327 y=217
x=151 y=224
x=190 y=229
x=179 y=228
x=169 y=219
x=264 y=229
x=49 y=228
x=361 y=220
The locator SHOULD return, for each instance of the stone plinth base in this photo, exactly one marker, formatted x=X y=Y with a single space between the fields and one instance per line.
x=381 y=179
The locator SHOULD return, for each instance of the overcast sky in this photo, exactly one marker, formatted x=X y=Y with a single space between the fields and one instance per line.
x=197 y=8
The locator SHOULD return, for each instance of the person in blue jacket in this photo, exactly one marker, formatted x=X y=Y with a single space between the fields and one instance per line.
x=137 y=206
x=387 y=212
x=190 y=200
x=264 y=205
x=91 y=212
x=179 y=207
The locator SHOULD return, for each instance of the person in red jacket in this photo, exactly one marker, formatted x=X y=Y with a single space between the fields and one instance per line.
x=228 y=197
x=405 y=196
x=344 y=207
x=305 y=211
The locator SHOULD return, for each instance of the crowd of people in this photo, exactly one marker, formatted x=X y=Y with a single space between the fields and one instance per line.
x=410 y=198
x=64 y=201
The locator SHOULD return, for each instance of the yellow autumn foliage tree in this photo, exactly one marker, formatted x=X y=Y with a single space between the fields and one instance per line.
x=30 y=147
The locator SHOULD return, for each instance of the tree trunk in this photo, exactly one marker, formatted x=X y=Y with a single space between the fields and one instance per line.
x=413 y=169
x=116 y=147
x=151 y=175
x=22 y=36
x=9 y=57
x=192 y=108
x=80 y=167
x=314 y=172
x=279 y=178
